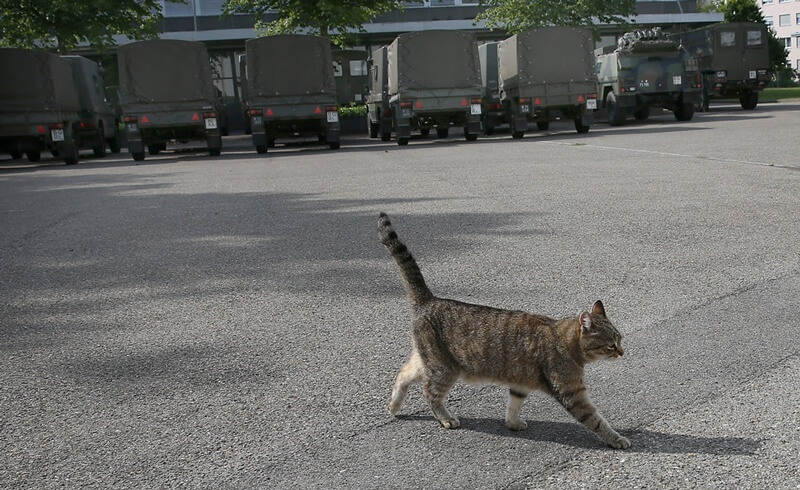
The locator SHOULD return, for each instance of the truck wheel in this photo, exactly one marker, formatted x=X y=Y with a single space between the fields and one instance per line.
x=16 y=155
x=442 y=132
x=261 y=149
x=113 y=144
x=33 y=155
x=471 y=136
x=99 y=151
x=579 y=127
x=684 y=112
x=425 y=132
x=641 y=113
x=386 y=136
x=517 y=135
x=138 y=156
x=215 y=152
x=373 y=128
x=154 y=149
x=402 y=141
x=615 y=113
x=749 y=101
x=543 y=125
x=702 y=101
x=334 y=145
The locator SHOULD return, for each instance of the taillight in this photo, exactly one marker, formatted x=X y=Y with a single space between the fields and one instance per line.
x=209 y=115
x=406 y=105
x=130 y=119
x=537 y=101
x=255 y=112
x=87 y=125
x=524 y=100
x=56 y=126
x=475 y=101
x=405 y=108
x=331 y=108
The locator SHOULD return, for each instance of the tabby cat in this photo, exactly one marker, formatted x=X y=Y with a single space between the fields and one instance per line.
x=526 y=352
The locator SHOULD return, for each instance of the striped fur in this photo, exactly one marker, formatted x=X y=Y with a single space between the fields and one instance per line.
x=477 y=343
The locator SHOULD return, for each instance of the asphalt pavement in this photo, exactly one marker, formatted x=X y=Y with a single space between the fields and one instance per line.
x=233 y=322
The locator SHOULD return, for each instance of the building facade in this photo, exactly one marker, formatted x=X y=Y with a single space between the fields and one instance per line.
x=783 y=16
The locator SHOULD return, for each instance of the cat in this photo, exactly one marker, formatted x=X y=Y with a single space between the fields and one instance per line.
x=477 y=343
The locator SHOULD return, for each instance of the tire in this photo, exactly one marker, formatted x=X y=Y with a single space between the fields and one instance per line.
x=271 y=143
x=113 y=144
x=489 y=130
x=749 y=101
x=402 y=141
x=16 y=155
x=543 y=125
x=154 y=149
x=373 y=128
x=138 y=156
x=386 y=136
x=99 y=151
x=215 y=152
x=641 y=113
x=334 y=145
x=702 y=101
x=471 y=136
x=517 y=135
x=33 y=155
x=442 y=132
x=684 y=112
x=425 y=132
x=615 y=113
x=261 y=149
x=579 y=127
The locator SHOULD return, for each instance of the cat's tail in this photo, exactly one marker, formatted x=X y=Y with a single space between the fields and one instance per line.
x=413 y=281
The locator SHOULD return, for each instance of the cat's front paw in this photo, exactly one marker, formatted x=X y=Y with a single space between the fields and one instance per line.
x=450 y=423
x=517 y=424
x=619 y=442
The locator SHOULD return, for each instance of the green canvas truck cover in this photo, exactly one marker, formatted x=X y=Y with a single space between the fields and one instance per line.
x=436 y=59
x=164 y=71
x=89 y=84
x=36 y=81
x=289 y=65
x=547 y=55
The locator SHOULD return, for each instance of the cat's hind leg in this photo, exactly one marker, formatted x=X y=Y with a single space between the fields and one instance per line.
x=516 y=398
x=436 y=386
x=409 y=374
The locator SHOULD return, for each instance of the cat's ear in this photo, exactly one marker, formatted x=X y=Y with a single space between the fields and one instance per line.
x=598 y=309
x=586 y=322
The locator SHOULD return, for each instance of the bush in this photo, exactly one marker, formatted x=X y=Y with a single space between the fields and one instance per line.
x=353 y=110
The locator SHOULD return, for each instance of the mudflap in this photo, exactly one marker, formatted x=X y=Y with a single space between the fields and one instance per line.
x=473 y=125
x=403 y=128
x=587 y=116
x=135 y=146
x=259 y=138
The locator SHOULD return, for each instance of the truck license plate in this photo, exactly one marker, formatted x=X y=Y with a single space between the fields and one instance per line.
x=211 y=123
x=591 y=104
x=333 y=116
x=475 y=109
x=676 y=80
x=525 y=108
x=57 y=134
x=752 y=73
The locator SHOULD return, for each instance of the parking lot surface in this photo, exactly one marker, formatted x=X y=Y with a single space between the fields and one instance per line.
x=233 y=322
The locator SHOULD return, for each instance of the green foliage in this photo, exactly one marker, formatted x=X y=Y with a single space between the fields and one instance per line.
x=749 y=11
x=63 y=24
x=516 y=16
x=327 y=18
x=353 y=110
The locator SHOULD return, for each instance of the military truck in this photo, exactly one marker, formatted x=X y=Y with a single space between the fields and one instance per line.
x=166 y=94
x=492 y=112
x=548 y=74
x=291 y=89
x=646 y=69
x=379 y=113
x=434 y=81
x=39 y=105
x=350 y=73
x=99 y=124
x=733 y=59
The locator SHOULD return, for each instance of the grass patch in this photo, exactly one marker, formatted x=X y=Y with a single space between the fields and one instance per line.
x=775 y=94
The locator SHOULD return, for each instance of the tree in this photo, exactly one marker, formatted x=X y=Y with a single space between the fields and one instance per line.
x=327 y=18
x=515 y=16
x=64 y=24
x=749 y=11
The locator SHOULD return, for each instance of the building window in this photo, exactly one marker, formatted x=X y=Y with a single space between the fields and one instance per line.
x=783 y=20
x=787 y=41
x=768 y=21
x=766 y=2
x=783 y=1
x=798 y=41
x=797 y=19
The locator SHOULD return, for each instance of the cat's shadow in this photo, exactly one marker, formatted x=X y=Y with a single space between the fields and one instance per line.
x=642 y=440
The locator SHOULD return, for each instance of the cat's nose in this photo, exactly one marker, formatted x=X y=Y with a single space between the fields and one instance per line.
x=620 y=351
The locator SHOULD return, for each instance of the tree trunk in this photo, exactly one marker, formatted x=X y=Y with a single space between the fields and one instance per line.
x=62 y=49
